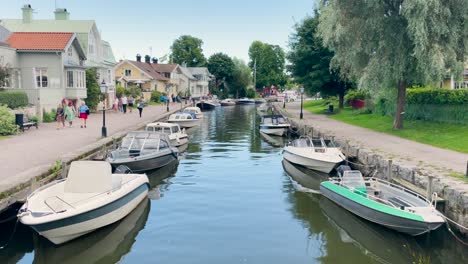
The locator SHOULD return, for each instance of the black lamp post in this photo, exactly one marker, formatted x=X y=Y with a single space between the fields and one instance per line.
x=301 y=116
x=103 y=87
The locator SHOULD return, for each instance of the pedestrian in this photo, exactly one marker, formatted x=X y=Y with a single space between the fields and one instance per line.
x=116 y=104
x=130 y=103
x=84 y=112
x=173 y=98
x=70 y=113
x=120 y=105
x=124 y=104
x=141 y=104
x=60 y=116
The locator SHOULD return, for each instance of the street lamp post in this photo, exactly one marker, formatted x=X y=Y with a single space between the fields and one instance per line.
x=301 y=116
x=103 y=87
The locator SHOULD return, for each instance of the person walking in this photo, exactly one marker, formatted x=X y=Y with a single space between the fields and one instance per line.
x=124 y=104
x=84 y=112
x=115 y=106
x=173 y=98
x=141 y=104
x=60 y=116
x=130 y=103
x=70 y=113
x=120 y=104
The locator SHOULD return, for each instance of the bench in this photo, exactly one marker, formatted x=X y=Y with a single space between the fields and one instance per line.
x=27 y=124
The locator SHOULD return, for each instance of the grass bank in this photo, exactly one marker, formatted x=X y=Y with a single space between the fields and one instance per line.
x=448 y=136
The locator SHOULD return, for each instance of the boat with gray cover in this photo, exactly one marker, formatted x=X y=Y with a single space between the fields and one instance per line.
x=143 y=151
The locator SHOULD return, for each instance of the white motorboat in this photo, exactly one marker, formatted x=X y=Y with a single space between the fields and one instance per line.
x=184 y=119
x=143 y=151
x=245 y=100
x=89 y=198
x=274 y=125
x=317 y=154
x=228 y=102
x=177 y=136
x=196 y=110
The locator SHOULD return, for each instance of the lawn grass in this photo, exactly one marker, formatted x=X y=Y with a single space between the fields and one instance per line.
x=4 y=137
x=448 y=136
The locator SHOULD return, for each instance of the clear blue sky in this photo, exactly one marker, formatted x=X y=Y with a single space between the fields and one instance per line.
x=132 y=26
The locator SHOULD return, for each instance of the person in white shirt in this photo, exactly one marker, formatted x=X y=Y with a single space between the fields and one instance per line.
x=124 y=103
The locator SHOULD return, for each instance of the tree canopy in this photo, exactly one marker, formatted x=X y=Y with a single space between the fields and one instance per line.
x=269 y=62
x=188 y=50
x=242 y=77
x=310 y=61
x=395 y=43
x=93 y=90
x=222 y=67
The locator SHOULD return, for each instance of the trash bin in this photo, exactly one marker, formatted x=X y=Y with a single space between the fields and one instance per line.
x=330 y=108
x=19 y=119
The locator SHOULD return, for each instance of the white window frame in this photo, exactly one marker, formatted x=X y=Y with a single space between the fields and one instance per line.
x=70 y=51
x=71 y=80
x=128 y=72
x=39 y=73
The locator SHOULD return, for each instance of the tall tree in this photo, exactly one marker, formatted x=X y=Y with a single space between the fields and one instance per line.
x=268 y=61
x=396 y=43
x=310 y=62
x=188 y=50
x=222 y=67
x=93 y=90
x=242 y=77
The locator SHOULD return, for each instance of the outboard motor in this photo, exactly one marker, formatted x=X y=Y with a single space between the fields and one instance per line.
x=122 y=169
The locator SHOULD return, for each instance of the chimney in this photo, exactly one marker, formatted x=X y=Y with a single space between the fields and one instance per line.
x=27 y=13
x=147 y=58
x=61 y=14
x=138 y=57
x=155 y=60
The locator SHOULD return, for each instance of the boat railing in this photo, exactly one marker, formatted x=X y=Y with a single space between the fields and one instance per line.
x=401 y=189
x=369 y=196
x=44 y=187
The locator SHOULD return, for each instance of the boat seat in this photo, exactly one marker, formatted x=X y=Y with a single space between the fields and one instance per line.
x=116 y=181
x=399 y=202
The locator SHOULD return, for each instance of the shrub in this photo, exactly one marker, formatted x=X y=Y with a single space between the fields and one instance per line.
x=48 y=117
x=250 y=93
x=156 y=96
x=356 y=95
x=93 y=89
x=33 y=118
x=134 y=91
x=13 y=99
x=119 y=91
x=436 y=96
x=7 y=122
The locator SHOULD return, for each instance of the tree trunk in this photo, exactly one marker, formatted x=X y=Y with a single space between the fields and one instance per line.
x=341 y=99
x=400 y=107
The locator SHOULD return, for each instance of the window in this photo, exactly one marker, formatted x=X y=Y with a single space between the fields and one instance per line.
x=41 y=78
x=70 y=79
x=5 y=77
x=167 y=75
x=70 y=52
x=128 y=72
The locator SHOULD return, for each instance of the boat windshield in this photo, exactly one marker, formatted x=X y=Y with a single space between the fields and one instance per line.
x=302 y=142
x=140 y=140
x=353 y=179
x=175 y=129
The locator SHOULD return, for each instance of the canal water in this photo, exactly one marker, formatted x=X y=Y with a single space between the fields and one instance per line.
x=231 y=199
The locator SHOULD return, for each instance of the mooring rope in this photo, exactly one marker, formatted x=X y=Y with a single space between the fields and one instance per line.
x=447 y=220
x=11 y=236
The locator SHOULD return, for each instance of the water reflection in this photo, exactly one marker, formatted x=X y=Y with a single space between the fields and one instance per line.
x=307 y=178
x=106 y=245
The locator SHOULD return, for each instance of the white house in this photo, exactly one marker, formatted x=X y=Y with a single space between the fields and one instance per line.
x=97 y=51
x=202 y=78
x=48 y=66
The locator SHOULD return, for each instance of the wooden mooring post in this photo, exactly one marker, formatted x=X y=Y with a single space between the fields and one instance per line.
x=430 y=179
x=389 y=170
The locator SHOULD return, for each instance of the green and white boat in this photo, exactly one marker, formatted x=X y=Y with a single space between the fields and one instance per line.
x=383 y=203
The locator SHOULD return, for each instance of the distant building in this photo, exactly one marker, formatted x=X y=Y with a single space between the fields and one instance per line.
x=97 y=51
x=454 y=84
x=200 y=86
x=48 y=66
x=171 y=79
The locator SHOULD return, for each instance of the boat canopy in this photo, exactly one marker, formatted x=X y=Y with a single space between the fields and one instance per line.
x=166 y=128
x=89 y=177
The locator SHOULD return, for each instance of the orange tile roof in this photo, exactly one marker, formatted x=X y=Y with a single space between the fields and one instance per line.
x=39 y=40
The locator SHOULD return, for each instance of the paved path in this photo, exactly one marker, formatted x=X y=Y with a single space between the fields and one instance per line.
x=404 y=151
x=42 y=147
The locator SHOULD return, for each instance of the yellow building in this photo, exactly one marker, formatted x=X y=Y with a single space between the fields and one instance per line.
x=452 y=83
x=141 y=74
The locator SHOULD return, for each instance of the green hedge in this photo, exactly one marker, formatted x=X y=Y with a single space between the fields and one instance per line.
x=156 y=96
x=7 y=122
x=436 y=96
x=13 y=99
